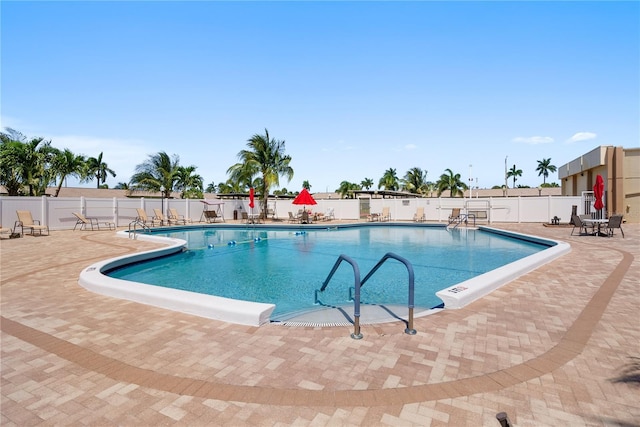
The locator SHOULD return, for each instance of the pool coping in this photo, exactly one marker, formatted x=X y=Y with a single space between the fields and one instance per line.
x=249 y=313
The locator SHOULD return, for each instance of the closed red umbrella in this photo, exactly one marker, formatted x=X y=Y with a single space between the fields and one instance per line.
x=251 y=196
x=598 y=193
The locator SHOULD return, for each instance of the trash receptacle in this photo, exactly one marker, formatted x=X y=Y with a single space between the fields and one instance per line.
x=235 y=215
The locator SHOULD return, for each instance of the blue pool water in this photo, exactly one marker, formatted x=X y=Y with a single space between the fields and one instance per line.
x=285 y=267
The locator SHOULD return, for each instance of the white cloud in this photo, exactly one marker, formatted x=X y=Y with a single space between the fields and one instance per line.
x=582 y=136
x=534 y=140
x=410 y=147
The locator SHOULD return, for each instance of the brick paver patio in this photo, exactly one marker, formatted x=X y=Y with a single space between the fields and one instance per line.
x=549 y=349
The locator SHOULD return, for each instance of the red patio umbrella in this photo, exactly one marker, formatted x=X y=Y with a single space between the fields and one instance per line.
x=598 y=193
x=304 y=198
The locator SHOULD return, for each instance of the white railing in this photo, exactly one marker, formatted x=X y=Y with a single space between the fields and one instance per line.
x=57 y=212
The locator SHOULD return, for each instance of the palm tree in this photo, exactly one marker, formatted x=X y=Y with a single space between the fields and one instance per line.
x=188 y=182
x=452 y=182
x=305 y=184
x=25 y=163
x=366 y=183
x=514 y=172
x=544 y=167
x=158 y=172
x=10 y=163
x=96 y=168
x=211 y=188
x=266 y=159
x=65 y=164
x=346 y=189
x=415 y=180
x=389 y=180
x=430 y=187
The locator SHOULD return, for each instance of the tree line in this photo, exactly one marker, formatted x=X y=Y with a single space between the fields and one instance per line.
x=28 y=166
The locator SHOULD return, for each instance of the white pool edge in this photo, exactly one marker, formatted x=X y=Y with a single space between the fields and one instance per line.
x=464 y=293
x=255 y=314
x=93 y=279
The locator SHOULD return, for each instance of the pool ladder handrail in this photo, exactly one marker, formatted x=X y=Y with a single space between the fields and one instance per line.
x=133 y=224
x=463 y=218
x=358 y=284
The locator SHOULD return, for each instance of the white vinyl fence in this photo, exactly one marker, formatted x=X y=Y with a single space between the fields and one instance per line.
x=57 y=212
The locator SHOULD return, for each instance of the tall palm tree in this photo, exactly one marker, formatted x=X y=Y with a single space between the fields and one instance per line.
x=514 y=172
x=452 y=182
x=34 y=159
x=188 y=182
x=65 y=163
x=389 y=180
x=366 y=183
x=544 y=167
x=414 y=181
x=158 y=172
x=265 y=158
x=96 y=168
x=305 y=184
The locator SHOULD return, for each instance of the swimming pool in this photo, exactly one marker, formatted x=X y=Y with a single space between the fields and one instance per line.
x=284 y=266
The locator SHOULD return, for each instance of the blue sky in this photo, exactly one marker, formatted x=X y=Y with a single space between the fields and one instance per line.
x=353 y=88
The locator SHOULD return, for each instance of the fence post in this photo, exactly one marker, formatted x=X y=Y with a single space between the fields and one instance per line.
x=44 y=211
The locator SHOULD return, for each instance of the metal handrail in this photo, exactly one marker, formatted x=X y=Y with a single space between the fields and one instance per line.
x=134 y=223
x=390 y=255
x=356 y=335
x=465 y=218
x=358 y=284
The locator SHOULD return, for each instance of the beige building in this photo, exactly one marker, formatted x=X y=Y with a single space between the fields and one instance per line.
x=620 y=169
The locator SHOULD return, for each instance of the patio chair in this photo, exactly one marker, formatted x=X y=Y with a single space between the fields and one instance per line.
x=615 y=221
x=292 y=218
x=455 y=215
x=386 y=214
x=175 y=217
x=85 y=222
x=25 y=220
x=577 y=223
x=419 y=215
x=145 y=220
x=159 y=216
x=329 y=215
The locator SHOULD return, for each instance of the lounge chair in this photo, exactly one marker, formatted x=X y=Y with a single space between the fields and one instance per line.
x=145 y=220
x=385 y=215
x=455 y=215
x=85 y=222
x=615 y=221
x=292 y=218
x=577 y=223
x=419 y=215
x=159 y=216
x=25 y=220
x=175 y=217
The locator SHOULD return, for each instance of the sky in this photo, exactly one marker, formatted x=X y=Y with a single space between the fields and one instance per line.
x=353 y=88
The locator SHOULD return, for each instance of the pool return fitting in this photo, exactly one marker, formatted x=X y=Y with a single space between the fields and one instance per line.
x=356 y=335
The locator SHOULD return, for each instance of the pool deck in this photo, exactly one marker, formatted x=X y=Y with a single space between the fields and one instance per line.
x=549 y=349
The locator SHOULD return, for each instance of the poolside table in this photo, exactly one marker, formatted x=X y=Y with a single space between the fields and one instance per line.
x=598 y=222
